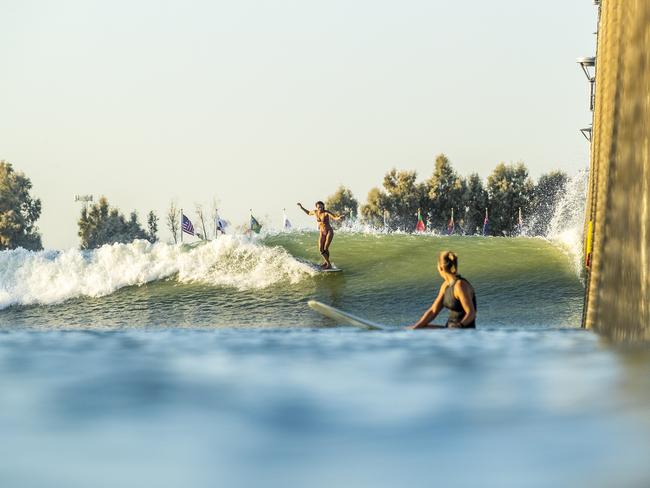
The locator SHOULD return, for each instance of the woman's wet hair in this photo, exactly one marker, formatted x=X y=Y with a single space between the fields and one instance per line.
x=449 y=262
x=320 y=203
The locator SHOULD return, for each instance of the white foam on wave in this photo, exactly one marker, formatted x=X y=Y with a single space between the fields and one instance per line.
x=28 y=277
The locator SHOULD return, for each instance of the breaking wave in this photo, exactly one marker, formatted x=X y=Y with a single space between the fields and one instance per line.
x=46 y=277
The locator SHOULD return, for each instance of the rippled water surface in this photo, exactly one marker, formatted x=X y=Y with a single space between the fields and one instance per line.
x=321 y=407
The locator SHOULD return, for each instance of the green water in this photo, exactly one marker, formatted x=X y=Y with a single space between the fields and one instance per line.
x=235 y=283
x=391 y=278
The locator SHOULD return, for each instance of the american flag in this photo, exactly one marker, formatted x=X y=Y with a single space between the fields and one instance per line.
x=186 y=225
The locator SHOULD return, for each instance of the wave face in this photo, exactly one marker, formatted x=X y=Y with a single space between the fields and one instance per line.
x=48 y=277
x=233 y=281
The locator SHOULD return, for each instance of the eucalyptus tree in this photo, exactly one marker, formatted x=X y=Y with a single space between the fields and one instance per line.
x=102 y=224
x=510 y=189
x=342 y=202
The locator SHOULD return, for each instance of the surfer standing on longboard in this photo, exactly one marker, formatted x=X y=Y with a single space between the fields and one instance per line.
x=456 y=294
x=323 y=217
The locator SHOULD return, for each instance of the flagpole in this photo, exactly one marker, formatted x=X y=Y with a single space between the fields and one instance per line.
x=450 y=224
x=485 y=221
x=181 y=226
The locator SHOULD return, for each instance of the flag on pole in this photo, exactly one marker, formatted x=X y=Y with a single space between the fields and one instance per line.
x=220 y=224
x=486 y=224
x=420 y=227
x=286 y=225
x=186 y=225
x=255 y=225
x=520 y=222
x=451 y=225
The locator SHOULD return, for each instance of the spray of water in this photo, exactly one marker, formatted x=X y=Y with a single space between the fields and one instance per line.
x=566 y=226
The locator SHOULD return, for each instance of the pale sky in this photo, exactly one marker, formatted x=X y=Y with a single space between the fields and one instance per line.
x=265 y=103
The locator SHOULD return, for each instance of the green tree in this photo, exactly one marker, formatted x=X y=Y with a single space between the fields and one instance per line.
x=19 y=211
x=402 y=199
x=474 y=201
x=509 y=188
x=445 y=191
x=100 y=224
x=547 y=191
x=342 y=202
x=152 y=226
x=375 y=208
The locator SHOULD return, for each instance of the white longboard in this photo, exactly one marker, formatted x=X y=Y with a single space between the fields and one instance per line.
x=344 y=318
x=317 y=267
x=330 y=270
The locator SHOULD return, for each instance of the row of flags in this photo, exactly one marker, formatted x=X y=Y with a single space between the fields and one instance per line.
x=220 y=225
x=256 y=227
x=451 y=225
x=188 y=228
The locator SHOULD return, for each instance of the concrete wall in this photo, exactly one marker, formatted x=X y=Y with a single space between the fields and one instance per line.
x=617 y=301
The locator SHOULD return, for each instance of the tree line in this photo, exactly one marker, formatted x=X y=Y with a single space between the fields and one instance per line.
x=393 y=206
x=507 y=191
x=101 y=224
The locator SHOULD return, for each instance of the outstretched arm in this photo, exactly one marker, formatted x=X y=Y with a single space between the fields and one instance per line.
x=308 y=212
x=334 y=216
x=432 y=312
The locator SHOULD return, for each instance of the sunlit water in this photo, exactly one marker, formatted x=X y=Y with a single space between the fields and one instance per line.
x=202 y=366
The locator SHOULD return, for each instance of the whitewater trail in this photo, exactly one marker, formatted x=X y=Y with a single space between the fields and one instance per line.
x=45 y=277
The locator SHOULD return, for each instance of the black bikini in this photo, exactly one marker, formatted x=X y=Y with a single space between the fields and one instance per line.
x=456 y=310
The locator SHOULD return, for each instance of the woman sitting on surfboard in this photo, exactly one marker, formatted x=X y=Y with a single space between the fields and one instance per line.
x=326 y=231
x=456 y=294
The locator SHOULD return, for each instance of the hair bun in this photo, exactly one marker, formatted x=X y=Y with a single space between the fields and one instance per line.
x=449 y=260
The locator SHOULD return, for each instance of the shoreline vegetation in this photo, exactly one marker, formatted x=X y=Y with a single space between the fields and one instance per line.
x=446 y=202
x=451 y=203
